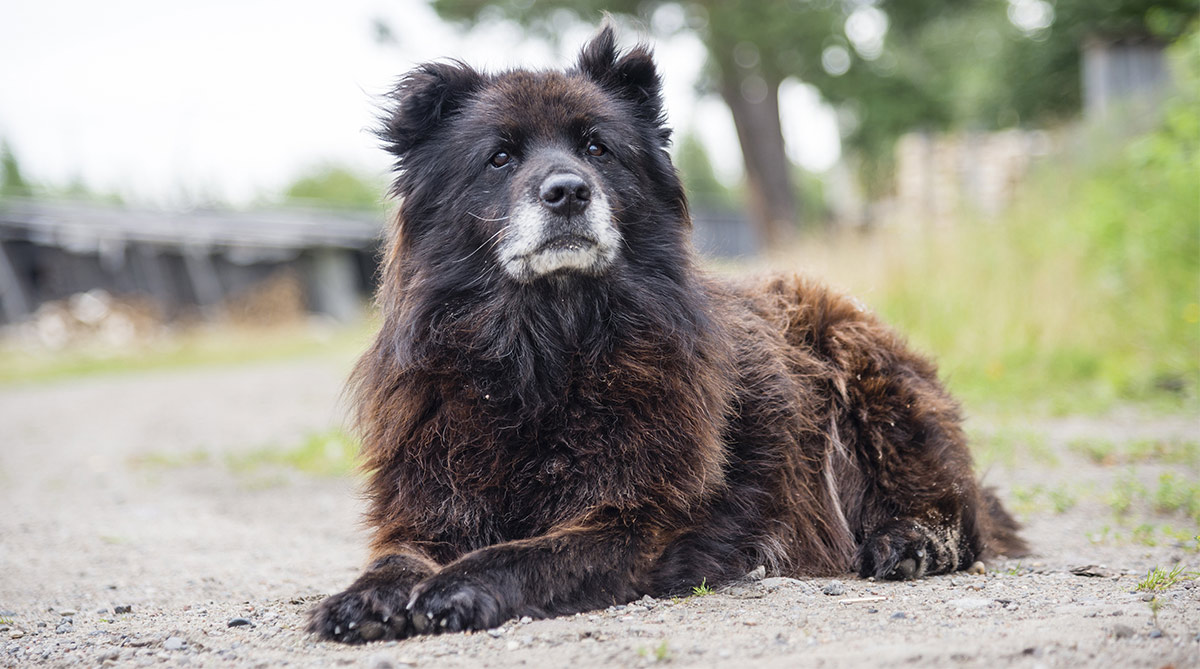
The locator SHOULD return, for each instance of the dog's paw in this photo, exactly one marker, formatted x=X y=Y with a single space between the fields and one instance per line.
x=904 y=550
x=362 y=614
x=450 y=603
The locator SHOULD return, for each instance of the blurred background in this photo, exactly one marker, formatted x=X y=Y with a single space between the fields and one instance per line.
x=1015 y=184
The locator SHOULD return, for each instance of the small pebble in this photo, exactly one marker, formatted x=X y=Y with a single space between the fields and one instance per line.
x=834 y=588
x=239 y=622
x=174 y=643
x=1122 y=631
x=64 y=628
x=977 y=568
x=525 y=620
x=123 y=609
x=899 y=615
x=496 y=632
x=16 y=634
x=1155 y=634
x=66 y=613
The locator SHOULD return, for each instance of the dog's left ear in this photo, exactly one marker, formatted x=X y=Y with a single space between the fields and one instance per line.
x=631 y=76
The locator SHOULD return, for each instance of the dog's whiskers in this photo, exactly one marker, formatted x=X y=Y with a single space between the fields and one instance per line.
x=488 y=220
x=495 y=238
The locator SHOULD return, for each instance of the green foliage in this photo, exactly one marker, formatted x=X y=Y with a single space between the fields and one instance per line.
x=1159 y=579
x=704 y=190
x=12 y=182
x=325 y=453
x=338 y=187
x=1089 y=284
x=702 y=589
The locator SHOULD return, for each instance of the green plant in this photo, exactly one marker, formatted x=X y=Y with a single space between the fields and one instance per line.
x=1159 y=579
x=330 y=452
x=703 y=588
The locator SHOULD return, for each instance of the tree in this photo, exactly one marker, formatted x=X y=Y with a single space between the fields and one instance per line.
x=12 y=182
x=334 y=186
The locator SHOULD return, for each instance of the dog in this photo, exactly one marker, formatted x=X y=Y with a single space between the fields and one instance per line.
x=561 y=412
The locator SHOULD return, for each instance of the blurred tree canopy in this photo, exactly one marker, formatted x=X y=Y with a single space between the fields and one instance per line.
x=12 y=182
x=888 y=66
x=334 y=186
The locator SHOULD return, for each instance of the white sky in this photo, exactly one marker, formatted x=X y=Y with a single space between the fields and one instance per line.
x=167 y=102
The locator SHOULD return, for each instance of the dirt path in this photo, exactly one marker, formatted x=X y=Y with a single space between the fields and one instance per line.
x=116 y=492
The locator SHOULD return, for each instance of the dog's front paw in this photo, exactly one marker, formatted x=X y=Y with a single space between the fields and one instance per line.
x=453 y=603
x=904 y=550
x=361 y=614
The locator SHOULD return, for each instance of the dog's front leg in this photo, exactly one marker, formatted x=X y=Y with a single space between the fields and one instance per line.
x=590 y=564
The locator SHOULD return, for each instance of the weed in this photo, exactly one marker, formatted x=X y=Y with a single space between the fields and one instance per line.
x=703 y=589
x=4 y=620
x=1144 y=534
x=1099 y=451
x=660 y=653
x=1155 y=606
x=325 y=453
x=1062 y=499
x=1124 y=492
x=1159 y=579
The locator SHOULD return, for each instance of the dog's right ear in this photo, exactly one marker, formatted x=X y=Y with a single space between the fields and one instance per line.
x=422 y=100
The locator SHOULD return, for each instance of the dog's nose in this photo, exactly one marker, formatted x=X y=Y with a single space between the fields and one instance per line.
x=565 y=194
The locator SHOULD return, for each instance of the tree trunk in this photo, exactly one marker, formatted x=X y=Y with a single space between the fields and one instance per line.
x=772 y=199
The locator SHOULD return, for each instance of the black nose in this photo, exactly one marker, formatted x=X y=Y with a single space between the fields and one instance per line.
x=565 y=194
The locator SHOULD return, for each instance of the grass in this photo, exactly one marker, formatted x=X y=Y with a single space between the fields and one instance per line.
x=702 y=589
x=1142 y=451
x=210 y=345
x=1159 y=579
x=329 y=452
x=1081 y=297
x=660 y=653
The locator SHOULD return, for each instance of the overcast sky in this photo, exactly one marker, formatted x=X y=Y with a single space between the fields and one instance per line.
x=172 y=102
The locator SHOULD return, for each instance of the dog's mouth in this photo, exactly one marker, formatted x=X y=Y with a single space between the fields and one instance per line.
x=567 y=243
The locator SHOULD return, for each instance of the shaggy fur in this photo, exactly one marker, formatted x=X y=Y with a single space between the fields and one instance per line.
x=553 y=424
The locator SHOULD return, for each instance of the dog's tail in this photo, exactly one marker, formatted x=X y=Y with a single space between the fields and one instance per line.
x=1002 y=533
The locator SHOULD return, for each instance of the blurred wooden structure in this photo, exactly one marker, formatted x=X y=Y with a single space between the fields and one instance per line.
x=1122 y=72
x=181 y=260
x=940 y=177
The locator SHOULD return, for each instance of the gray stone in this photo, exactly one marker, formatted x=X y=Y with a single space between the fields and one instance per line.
x=834 y=588
x=1121 y=631
x=174 y=643
x=240 y=622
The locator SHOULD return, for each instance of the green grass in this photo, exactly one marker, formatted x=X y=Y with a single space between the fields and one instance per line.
x=702 y=589
x=329 y=452
x=660 y=653
x=1108 y=453
x=1082 y=296
x=1159 y=579
x=217 y=345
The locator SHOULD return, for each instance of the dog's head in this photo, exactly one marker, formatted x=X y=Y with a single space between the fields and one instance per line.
x=537 y=174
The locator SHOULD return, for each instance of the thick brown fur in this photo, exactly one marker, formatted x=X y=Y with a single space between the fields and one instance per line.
x=546 y=444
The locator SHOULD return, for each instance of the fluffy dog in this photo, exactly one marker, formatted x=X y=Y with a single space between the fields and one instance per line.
x=560 y=412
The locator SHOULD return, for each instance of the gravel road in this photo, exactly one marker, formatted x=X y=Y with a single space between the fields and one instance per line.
x=126 y=540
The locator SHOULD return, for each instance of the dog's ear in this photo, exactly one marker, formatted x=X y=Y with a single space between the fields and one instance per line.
x=422 y=100
x=632 y=76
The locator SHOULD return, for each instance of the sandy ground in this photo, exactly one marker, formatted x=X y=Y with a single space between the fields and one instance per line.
x=189 y=546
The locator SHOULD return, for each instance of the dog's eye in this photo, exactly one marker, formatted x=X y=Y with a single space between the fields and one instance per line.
x=500 y=159
x=596 y=149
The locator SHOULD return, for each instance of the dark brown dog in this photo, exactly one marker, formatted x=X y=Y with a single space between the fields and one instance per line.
x=561 y=413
